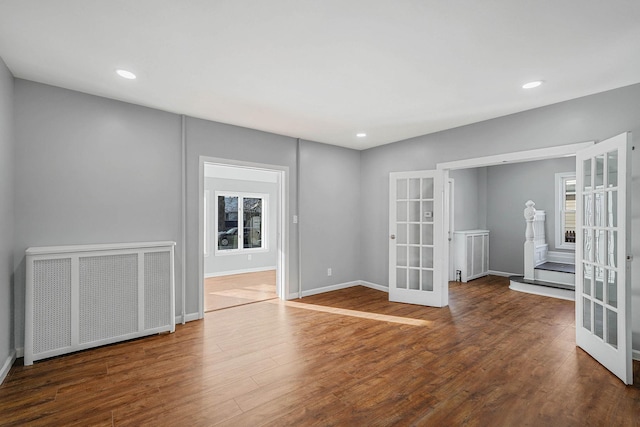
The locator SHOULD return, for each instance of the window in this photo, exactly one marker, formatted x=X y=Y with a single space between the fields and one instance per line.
x=566 y=210
x=240 y=222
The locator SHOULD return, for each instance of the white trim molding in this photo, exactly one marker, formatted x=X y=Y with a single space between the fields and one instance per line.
x=635 y=354
x=503 y=273
x=345 y=285
x=329 y=288
x=375 y=286
x=6 y=367
x=518 y=156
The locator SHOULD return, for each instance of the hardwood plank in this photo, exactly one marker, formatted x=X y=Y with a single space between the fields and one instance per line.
x=493 y=357
x=238 y=289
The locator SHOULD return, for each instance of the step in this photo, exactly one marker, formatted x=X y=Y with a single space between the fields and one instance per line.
x=557 y=266
x=555 y=272
x=539 y=287
x=555 y=277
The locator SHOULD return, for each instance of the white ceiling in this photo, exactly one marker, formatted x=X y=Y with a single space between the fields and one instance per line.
x=324 y=70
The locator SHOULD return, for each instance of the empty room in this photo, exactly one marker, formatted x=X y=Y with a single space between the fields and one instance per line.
x=319 y=213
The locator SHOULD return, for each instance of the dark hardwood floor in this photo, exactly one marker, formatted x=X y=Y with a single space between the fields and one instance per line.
x=494 y=357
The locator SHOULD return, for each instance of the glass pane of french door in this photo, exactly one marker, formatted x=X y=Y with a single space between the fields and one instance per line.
x=600 y=184
x=414 y=240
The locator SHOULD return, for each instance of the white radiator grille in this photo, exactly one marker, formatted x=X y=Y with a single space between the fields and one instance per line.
x=52 y=304
x=157 y=288
x=108 y=296
x=79 y=297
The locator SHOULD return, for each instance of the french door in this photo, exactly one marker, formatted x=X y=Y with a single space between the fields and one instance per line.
x=415 y=239
x=603 y=297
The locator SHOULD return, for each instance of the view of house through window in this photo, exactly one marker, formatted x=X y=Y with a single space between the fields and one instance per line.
x=566 y=210
x=240 y=220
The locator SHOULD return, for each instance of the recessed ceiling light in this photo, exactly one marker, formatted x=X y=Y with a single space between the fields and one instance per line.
x=531 y=85
x=361 y=135
x=126 y=74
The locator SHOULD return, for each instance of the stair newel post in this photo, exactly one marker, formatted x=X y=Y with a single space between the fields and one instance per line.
x=529 y=244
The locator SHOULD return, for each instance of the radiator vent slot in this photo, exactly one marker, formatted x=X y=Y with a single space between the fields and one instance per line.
x=156 y=290
x=108 y=296
x=79 y=297
x=52 y=304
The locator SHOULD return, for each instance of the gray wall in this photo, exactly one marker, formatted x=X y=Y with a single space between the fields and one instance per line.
x=330 y=220
x=7 y=145
x=220 y=264
x=509 y=187
x=91 y=170
x=594 y=117
x=469 y=207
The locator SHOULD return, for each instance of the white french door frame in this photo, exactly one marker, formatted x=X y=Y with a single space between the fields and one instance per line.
x=603 y=249
x=449 y=227
x=498 y=159
x=415 y=289
x=282 y=261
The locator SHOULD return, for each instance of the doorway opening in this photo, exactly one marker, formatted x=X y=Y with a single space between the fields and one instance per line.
x=242 y=241
x=450 y=169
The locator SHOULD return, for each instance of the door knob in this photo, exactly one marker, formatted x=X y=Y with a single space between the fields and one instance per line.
x=393 y=236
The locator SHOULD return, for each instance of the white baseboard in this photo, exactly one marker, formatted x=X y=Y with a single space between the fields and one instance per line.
x=375 y=286
x=344 y=286
x=20 y=352
x=6 y=367
x=635 y=354
x=329 y=288
x=562 y=257
x=292 y=296
x=189 y=317
x=503 y=273
x=246 y=270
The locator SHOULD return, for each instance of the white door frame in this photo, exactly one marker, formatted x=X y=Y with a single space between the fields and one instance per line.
x=499 y=159
x=282 y=261
x=450 y=202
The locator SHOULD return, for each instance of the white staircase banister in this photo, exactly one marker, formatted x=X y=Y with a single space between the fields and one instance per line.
x=529 y=244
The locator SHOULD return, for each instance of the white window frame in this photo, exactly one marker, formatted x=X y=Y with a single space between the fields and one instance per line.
x=207 y=222
x=561 y=179
x=263 y=227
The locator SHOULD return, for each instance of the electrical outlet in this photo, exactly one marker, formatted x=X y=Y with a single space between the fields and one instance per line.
x=329 y=272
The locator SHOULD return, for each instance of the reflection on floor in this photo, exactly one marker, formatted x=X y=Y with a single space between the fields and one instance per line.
x=239 y=289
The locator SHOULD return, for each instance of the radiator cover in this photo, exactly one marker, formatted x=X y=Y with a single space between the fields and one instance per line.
x=84 y=296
